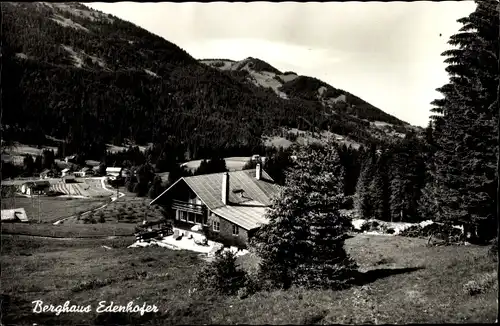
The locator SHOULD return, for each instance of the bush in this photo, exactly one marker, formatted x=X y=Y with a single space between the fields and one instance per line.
x=472 y=288
x=90 y=285
x=370 y=226
x=222 y=275
x=437 y=230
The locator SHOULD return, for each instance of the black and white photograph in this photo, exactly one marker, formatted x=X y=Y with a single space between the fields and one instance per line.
x=259 y=163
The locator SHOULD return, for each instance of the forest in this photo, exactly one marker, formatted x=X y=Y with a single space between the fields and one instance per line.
x=114 y=82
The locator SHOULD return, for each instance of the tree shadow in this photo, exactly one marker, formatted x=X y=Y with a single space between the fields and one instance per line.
x=362 y=278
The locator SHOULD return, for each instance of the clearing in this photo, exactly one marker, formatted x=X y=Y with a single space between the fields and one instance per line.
x=232 y=163
x=406 y=282
x=52 y=208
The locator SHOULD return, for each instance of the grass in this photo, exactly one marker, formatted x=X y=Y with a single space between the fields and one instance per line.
x=53 y=208
x=406 y=282
x=70 y=230
x=129 y=210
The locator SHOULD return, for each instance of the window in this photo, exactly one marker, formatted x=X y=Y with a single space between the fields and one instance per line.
x=205 y=220
x=216 y=226
x=183 y=215
x=198 y=219
x=236 y=230
x=191 y=217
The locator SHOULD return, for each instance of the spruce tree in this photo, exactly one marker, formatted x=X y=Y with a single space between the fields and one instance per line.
x=364 y=201
x=466 y=120
x=303 y=243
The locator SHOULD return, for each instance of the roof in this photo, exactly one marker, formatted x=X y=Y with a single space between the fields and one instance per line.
x=85 y=169
x=92 y=162
x=65 y=170
x=249 y=215
x=113 y=169
x=14 y=214
x=46 y=171
x=247 y=209
x=38 y=183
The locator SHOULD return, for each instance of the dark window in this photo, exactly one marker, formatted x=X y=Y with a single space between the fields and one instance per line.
x=236 y=230
x=216 y=226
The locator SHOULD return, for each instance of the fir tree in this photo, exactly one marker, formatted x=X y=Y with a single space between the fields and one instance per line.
x=363 y=199
x=464 y=177
x=303 y=242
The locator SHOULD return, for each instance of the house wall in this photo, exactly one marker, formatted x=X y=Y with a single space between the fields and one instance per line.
x=225 y=235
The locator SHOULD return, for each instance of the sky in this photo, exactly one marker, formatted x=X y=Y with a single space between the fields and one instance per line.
x=387 y=53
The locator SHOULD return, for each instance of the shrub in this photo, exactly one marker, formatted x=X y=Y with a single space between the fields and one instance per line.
x=437 y=230
x=221 y=275
x=472 y=288
x=291 y=136
x=370 y=226
x=90 y=285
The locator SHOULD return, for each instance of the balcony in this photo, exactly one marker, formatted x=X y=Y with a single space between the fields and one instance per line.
x=188 y=207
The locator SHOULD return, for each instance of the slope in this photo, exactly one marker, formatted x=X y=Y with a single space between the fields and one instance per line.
x=90 y=78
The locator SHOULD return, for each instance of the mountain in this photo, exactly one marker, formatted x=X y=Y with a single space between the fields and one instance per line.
x=289 y=84
x=89 y=78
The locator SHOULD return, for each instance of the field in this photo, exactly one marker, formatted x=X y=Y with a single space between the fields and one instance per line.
x=405 y=282
x=304 y=137
x=52 y=208
x=124 y=210
x=232 y=163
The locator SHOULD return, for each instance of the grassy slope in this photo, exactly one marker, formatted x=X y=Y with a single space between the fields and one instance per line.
x=52 y=208
x=57 y=269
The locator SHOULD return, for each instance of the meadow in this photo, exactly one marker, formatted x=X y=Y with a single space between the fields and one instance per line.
x=405 y=282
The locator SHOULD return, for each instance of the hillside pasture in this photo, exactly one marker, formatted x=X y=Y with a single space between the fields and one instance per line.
x=52 y=208
x=404 y=281
x=125 y=210
x=232 y=163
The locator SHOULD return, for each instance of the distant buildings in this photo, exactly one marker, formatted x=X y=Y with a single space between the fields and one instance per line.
x=47 y=173
x=114 y=172
x=35 y=187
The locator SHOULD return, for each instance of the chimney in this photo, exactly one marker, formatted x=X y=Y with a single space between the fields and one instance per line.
x=225 y=188
x=258 y=171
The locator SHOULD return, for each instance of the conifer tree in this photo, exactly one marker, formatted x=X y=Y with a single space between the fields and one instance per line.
x=466 y=120
x=303 y=242
x=363 y=199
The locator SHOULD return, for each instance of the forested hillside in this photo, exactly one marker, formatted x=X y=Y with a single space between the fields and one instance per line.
x=291 y=85
x=89 y=78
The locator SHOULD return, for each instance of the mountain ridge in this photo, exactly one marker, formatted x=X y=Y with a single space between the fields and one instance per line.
x=70 y=70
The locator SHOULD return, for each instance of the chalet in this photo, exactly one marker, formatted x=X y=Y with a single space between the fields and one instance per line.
x=35 y=187
x=114 y=172
x=65 y=172
x=85 y=172
x=70 y=159
x=47 y=174
x=227 y=207
x=68 y=178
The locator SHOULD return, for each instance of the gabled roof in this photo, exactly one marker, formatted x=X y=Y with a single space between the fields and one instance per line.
x=248 y=215
x=114 y=169
x=208 y=187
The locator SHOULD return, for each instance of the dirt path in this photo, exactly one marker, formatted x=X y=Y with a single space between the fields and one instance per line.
x=112 y=199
